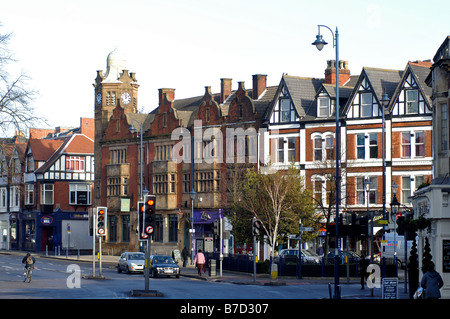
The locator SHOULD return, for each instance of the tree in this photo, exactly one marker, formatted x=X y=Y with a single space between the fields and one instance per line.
x=426 y=258
x=278 y=199
x=16 y=113
x=413 y=270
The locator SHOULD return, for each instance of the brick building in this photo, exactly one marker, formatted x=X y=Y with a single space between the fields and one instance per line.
x=293 y=121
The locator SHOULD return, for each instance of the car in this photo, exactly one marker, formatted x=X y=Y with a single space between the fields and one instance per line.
x=351 y=257
x=307 y=256
x=131 y=262
x=163 y=265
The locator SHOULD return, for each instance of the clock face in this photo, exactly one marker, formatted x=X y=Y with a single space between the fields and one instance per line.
x=98 y=98
x=126 y=98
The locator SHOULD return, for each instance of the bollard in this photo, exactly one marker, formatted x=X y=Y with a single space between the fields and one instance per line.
x=274 y=271
x=213 y=267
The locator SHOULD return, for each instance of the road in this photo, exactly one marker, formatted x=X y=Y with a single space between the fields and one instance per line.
x=58 y=279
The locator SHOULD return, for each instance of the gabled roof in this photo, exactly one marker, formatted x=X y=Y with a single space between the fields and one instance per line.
x=380 y=81
x=42 y=149
x=420 y=74
x=74 y=144
x=302 y=92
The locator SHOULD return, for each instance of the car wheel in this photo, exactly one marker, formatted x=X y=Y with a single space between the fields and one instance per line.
x=178 y=276
x=154 y=273
x=128 y=270
x=118 y=269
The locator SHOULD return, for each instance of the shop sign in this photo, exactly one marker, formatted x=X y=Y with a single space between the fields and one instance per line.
x=46 y=220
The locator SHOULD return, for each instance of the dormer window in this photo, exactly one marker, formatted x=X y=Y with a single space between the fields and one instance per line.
x=412 y=102
x=284 y=111
x=323 y=106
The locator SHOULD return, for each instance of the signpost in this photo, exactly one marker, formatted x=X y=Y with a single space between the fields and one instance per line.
x=390 y=288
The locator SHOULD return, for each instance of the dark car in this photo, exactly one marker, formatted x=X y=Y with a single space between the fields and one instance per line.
x=162 y=265
x=344 y=256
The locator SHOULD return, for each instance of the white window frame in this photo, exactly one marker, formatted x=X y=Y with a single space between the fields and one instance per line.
x=47 y=189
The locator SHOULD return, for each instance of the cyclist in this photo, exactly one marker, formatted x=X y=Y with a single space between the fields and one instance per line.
x=29 y=261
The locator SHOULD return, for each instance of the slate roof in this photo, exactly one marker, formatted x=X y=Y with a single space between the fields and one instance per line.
x=302 y=92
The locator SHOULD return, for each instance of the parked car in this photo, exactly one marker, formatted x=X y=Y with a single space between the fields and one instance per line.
x=352 y=257
x=131 y=262
x=307 y=255
x=163 y=265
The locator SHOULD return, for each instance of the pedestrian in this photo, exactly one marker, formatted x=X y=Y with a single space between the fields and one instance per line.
x=320 y=251
x=363 y=263
x=199 y=261
x=184 y=254
x=432 y=283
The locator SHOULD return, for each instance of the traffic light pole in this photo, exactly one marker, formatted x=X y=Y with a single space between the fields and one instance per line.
x=147 y=264
x=100 y=255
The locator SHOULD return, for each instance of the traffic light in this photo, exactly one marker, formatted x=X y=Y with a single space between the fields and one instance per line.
x=142 y=234
x=149 y=214
x=102 y=215
x=401 y=225
x=256 y=227
x=216 y=227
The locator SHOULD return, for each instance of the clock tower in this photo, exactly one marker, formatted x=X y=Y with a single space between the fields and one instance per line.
x=117 y=87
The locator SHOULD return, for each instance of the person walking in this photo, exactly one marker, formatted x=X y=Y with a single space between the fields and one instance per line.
x=184 y=254
x=363 y=264
x=432 y=283
x=199 y=261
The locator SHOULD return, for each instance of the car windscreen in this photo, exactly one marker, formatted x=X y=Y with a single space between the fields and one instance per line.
x=163 y=260
x=136 y=257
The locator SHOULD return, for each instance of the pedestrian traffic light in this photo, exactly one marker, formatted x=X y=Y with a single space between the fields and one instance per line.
x=256 y=227
x=102 y=215
x=141 y=232
x=216 y=227
x=149 y=214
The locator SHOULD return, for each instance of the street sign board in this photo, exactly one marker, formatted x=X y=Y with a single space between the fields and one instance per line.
x=306 y=229
x=390 y=288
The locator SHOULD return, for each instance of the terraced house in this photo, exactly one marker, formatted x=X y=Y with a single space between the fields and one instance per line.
x=192 y=144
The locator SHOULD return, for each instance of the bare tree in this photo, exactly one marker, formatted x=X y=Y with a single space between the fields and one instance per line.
x=16 y=112
x=275 y=197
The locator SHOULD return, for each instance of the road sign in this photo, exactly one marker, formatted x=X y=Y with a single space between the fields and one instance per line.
x=306 y=229
x=149 y=229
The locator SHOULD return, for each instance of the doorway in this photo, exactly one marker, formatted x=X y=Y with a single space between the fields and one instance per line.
x=47 y=238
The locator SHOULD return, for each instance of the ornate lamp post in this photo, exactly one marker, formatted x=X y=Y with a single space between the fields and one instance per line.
x=193 y=195
x=395 y=205
x=320 y=43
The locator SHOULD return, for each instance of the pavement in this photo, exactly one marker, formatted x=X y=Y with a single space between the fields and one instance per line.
x=350 y=289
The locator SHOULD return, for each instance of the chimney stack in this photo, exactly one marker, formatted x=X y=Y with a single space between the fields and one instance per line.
x=225 y=89
x=259 y=85
x=330 y=72
x=170 y=93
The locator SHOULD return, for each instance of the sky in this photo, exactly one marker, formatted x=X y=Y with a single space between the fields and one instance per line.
x=187 y=45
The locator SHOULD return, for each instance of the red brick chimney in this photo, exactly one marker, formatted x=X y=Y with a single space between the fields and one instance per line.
x=225 y=89
x=330 y=72
x=259 y=85
x=169 y=92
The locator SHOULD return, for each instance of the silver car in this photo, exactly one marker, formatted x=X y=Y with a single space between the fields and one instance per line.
x=131 y=262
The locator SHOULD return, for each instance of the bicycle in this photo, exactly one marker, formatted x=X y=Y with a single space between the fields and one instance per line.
x=28 y=273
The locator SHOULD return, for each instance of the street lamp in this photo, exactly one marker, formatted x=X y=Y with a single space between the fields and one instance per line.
x=384 y=104
x=320 y=43
x=367 y=186
x=395 y=205
x=193 y=195
x=133 y=130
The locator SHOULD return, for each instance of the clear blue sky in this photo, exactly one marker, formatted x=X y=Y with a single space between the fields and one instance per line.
x=188 y=45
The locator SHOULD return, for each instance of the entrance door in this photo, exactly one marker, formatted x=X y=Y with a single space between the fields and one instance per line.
x=47 y=238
